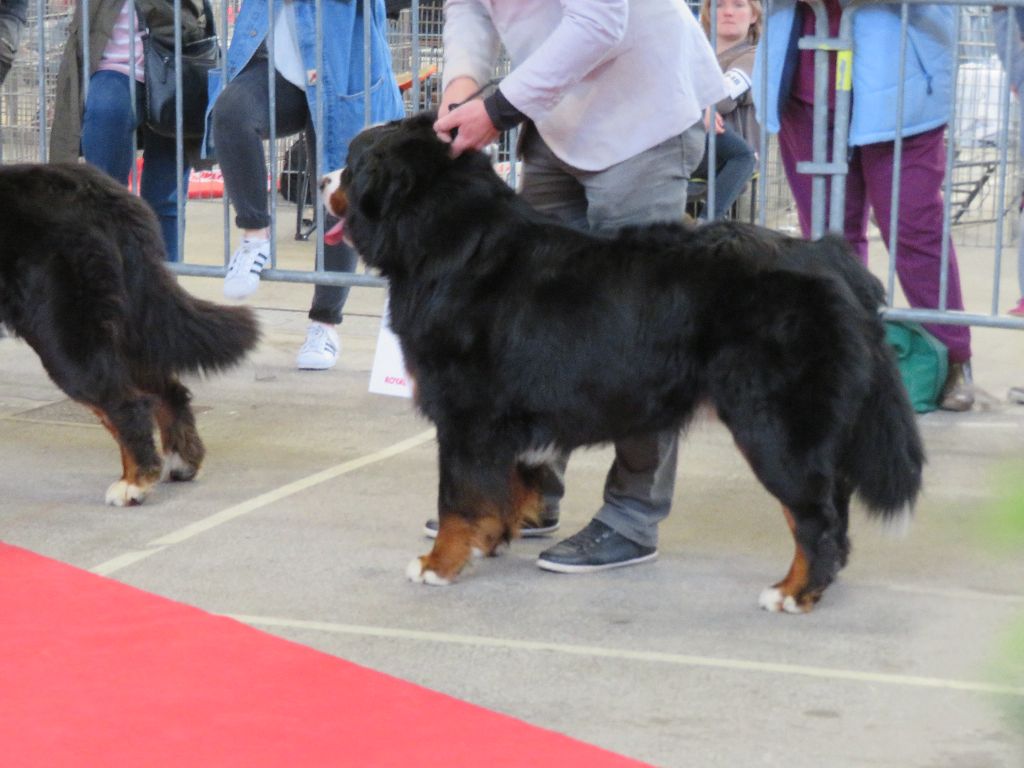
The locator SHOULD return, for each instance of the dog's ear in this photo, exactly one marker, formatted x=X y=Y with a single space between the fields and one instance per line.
x=394 y=172
x=386 y=182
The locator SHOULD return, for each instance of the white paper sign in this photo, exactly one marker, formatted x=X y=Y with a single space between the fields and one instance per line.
x=389 y=376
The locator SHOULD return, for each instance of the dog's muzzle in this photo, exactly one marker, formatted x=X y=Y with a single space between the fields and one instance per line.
x=336 y=203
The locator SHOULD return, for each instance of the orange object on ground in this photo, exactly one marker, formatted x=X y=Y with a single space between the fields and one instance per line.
x=201 y=184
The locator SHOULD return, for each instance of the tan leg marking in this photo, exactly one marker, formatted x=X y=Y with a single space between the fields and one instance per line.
x=182 y=448
x=133 y=486
x=527 y=504
x=790 y=594
x=457 y=540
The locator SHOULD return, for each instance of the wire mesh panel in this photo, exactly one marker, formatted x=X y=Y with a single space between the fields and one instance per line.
x=24 y=98
x=422 y=47
x=981 y=82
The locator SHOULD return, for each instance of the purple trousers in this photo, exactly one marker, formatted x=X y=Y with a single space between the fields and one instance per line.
x=919 y=215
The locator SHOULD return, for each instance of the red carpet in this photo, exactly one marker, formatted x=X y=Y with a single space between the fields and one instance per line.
x=96 y=673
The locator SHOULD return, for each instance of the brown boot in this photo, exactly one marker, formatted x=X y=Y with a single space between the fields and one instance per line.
x=957 y=393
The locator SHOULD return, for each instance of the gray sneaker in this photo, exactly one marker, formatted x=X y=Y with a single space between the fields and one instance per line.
x=596 y=548
x=547 y=525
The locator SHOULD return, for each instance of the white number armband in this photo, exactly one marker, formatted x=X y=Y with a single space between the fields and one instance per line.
x=737 y=82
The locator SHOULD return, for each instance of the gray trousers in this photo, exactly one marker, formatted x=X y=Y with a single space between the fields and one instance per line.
x=646 y=188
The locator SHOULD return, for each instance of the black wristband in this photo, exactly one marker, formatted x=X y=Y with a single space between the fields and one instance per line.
x=501 y=111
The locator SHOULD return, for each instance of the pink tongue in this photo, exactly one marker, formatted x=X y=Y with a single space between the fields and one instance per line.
x=334 y=235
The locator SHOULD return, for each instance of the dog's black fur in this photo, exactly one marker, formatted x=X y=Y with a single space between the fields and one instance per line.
x=82 y=280
x=522 y=333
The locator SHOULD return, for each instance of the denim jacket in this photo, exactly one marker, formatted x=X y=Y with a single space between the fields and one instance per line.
x=928 y=78
x=342 y=77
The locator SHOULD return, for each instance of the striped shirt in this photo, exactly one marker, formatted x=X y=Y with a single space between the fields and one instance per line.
x=116 y=55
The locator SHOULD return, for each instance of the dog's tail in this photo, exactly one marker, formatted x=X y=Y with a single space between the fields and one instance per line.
x=885 y=456
x=183 y=333
x=207 y=336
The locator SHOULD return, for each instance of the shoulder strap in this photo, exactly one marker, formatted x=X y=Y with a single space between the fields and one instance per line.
x=211 y=28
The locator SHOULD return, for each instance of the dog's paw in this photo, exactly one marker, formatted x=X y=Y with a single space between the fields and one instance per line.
x=420 y=575
x=177 y=469
x=772 y=599
x=124 y=494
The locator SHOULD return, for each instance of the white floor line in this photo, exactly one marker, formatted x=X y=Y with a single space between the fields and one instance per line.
x=123 y=561
x=969 y=423
x=479 y=641
x=949 y=593
x=54 y=422
x=231 y=513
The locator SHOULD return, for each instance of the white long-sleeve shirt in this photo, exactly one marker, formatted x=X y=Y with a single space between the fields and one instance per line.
x=602 y=79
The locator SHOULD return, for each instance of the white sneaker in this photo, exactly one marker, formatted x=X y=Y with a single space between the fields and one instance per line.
x=243 y=277
x=321 y=349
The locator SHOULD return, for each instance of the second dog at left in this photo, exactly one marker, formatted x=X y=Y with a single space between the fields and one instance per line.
x=83 y=282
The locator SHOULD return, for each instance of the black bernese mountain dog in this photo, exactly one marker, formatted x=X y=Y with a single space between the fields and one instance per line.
x=83 y=281
x=525 y=336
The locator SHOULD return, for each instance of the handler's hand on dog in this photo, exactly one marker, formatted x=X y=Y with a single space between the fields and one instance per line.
x=474 y=128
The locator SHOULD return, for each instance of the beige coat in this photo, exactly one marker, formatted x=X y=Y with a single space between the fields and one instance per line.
x=738 y=111
x=157 y=16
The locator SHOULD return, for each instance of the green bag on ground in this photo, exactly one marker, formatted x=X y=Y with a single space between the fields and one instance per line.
x=923 y=362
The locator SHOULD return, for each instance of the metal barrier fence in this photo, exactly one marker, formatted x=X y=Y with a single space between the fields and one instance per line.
x=970 y=142
x=983 y=178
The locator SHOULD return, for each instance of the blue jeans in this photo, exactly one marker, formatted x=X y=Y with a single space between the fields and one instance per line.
x=107 y=128
x=734 y=167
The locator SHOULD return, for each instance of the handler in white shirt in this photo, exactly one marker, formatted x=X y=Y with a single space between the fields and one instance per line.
x=611 y=95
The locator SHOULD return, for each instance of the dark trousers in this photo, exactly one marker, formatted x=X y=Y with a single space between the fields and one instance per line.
x=734 y=167
x=241 y=123
x=648 y=187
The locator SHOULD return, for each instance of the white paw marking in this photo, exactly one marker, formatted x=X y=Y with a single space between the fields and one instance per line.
x=124 y=494
x=789 y=605
x=773 y=600
x=431 y=578
x=415 y=573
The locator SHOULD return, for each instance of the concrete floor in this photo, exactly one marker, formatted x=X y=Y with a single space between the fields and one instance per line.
x=312 y=502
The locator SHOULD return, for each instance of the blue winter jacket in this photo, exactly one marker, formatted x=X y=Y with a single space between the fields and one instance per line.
x=876 y=45
x=342 y=77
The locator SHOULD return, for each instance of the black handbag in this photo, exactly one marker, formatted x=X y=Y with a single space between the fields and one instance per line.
x=197 y=58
